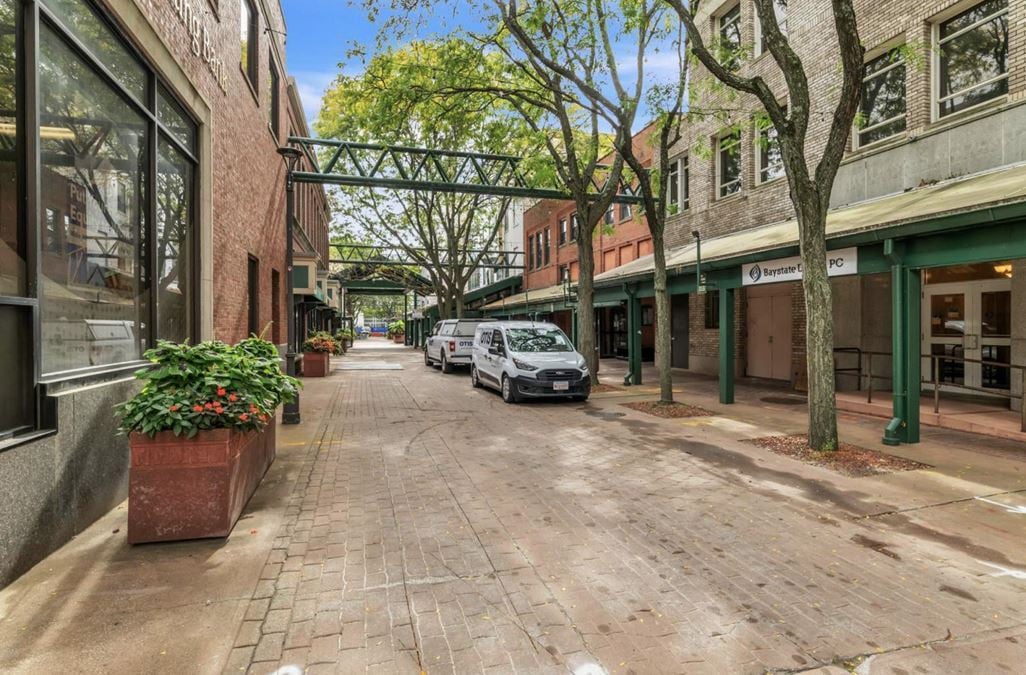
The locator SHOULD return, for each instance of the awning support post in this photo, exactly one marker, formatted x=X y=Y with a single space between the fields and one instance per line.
x=905 y=308
x=726 y=309
x=633 y=337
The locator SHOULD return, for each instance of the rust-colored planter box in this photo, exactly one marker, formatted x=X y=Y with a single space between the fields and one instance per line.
x=399 y=339
x=194 y=488
x=316 y=364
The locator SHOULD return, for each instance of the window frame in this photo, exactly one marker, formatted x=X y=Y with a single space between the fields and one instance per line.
x=546 y=245
x=575 y=227
x=739 y=181
x=252 y=65
x=887 y=50
x=762 y=150
x=274 y=100
x=712 y=309
x=31 y=19
x=720 y=25
x=562 y=232
x=936 y=45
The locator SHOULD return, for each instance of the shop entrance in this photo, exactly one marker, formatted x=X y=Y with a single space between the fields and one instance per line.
x=769 y=331
x=967 y=321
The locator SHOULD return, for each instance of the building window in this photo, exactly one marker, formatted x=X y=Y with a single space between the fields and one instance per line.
x=562 y=231
x=882 y=109
x=608 y=218
x=574 y=227
x=248 y=40
x=530 y=252
x=780 y=11
x=771 y=163
x=712 y=310
x=625 y=211
x=729 y=31
x=545 y=246
x=253 y=287
x=273 y=99
x=728 y=160
x=685 y=183
x=115 y=235
x=972 y=49
x=538 y=250
x=564 y=274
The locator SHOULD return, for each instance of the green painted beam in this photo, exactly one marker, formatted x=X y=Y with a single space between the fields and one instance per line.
x=726 y=345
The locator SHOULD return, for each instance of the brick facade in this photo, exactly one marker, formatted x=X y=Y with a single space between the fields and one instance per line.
x=248 y=175
x=616 y=243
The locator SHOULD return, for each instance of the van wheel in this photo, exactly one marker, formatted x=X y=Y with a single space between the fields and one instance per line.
x=446 y=367
x=579 y=399
x=475 y=378
x=427 y=359
x=509 y=390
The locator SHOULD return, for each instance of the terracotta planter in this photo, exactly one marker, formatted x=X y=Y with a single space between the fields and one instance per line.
x=316 y=364
x=194 y=488
x=398 y=339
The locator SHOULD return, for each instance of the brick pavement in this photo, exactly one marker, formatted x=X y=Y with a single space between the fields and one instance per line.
x=434 y=528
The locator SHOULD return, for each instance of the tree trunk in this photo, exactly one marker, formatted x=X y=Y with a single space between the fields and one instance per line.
x=457 y=299
x=819 y=326
x=663 y=330
x=586 y=305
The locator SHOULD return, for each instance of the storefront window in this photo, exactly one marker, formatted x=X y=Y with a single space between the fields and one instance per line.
x=12 y=240
x=79 y=17
x=175 y=120
x=93 y=148
x=175 y=177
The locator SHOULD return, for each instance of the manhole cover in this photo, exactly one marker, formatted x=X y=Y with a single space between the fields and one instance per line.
x=784 y=400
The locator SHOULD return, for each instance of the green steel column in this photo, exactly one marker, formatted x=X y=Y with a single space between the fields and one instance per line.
x=726 y=345
x=633 y=339
x=573 y=327
x=913 y=359
x=896 y=431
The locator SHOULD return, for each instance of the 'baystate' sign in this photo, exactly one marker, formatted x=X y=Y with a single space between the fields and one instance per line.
x=840 y=263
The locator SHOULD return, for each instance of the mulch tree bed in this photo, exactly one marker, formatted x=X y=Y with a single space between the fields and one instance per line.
x=668 y=410
x=604 y=388
x=850 y=460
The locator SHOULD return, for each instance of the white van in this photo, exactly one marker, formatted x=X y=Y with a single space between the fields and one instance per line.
x=528 y=359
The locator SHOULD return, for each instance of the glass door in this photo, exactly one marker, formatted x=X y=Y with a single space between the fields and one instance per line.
x=969 y=320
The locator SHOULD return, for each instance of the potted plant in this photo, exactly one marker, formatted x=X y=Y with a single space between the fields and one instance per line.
x=345 y=336
x=397 y=331
x=201 y=436
x=317 y=351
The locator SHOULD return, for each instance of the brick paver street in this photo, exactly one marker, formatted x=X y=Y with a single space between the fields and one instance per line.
x=435 y=528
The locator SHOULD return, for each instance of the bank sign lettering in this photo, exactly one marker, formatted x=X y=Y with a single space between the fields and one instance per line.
x=840 y=263
x=197 y=23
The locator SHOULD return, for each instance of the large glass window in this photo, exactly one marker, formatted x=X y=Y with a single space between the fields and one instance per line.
x=673 y=189
x=175 y=232
x=93 y=146
x=12 y=238
x=973 y=55
x=728 y=159
x=780 y=12
x=883 y=106
x=273 y=102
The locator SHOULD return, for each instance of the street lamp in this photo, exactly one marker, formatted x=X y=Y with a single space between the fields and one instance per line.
x=290 y=413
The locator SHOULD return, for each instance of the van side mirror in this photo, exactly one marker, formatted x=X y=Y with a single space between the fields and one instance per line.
x=495 y=349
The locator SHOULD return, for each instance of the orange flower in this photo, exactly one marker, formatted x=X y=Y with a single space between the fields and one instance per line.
x=253 y=409
x=197 y=408
x=219 y=410
x=233 y=398
x=173 y=408
x=221 y=391
x=243 y=417
x=209 y=406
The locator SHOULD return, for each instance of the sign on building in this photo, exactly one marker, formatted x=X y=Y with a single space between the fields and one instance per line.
x=843 y=262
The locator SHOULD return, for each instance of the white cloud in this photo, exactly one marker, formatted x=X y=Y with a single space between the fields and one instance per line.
x=311 y=85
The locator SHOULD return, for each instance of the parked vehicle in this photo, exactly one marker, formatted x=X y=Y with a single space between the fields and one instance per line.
x=451 y=344
x=528 y=359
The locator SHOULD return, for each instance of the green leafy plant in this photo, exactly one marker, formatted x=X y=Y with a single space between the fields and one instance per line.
x=211 y=385
x=342 y=338
x=397 y=328
x=321 y=342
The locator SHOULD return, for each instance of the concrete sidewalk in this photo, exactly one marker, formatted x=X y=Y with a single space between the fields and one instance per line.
x=414 y=524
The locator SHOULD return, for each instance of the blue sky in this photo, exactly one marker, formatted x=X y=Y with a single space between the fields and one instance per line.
x=319 y=35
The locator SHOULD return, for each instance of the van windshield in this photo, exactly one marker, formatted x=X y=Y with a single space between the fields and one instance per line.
x=538 y=340
x=466 y=328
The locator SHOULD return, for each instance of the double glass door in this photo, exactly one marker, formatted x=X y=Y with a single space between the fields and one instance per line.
x=970 y=320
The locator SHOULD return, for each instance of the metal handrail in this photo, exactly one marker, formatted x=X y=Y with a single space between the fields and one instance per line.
x=935 y=362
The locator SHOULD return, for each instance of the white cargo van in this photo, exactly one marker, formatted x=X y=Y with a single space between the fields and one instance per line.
x=528 y=359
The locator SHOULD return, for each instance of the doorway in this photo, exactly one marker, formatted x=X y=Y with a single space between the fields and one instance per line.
x=968 y=319
x=769 y=331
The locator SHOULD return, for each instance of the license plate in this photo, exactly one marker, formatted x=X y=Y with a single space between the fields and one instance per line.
x=560 y=386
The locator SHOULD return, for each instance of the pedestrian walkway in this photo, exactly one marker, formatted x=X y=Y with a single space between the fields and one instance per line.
x=414 y=524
